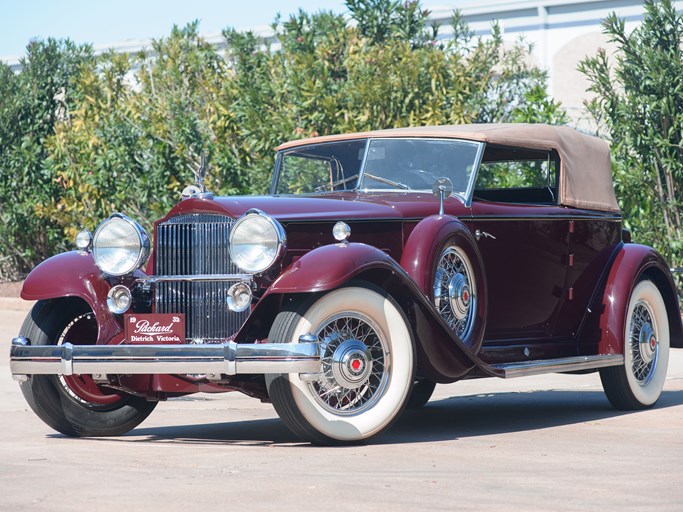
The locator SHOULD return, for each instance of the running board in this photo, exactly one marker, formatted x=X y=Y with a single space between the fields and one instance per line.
x=567 y=364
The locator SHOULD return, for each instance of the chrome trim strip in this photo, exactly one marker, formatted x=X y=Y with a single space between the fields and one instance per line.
x=568 y=364
x=229 y=358
x=465 y=217
x=610 y=218
x=195 y=278
x=469 y=195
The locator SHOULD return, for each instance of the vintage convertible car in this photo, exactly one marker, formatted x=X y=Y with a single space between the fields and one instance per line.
x=380 y=264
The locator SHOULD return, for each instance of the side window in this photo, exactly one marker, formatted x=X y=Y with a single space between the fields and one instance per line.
x=305 y=174
x=517 y=176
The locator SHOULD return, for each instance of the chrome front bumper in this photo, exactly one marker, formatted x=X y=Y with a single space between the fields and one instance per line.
x=213 y=360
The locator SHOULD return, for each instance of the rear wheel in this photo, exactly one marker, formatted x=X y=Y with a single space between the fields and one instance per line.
x=422 y=392
x=638 y=384
x=366 y=373
x=76 y=405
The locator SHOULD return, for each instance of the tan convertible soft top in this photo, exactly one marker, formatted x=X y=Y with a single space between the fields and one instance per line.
x=585 y=166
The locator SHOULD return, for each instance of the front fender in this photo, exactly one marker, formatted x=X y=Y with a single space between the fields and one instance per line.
x=609 y=312
x=442 y=356
x=329 y=267
x=74 y=274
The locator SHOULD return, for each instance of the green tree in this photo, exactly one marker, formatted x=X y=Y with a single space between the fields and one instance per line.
x=32 y=104
x=83 y=136
x=327 y=76
x=638 y=104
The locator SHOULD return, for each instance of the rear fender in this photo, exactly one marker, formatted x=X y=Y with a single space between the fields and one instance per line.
x=606 y=325
x=441 y=355
x=74 y=274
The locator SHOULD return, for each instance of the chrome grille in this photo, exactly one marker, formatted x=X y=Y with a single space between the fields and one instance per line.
x=197 y=244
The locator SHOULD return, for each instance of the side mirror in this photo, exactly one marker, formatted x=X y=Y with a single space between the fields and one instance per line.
x=442 y=188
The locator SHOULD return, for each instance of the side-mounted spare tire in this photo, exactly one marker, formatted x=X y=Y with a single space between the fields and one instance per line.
x=459 y=287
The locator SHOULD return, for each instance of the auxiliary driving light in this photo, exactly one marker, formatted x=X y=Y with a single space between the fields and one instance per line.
x=239 y=297
x=83 y=240
x=119 y=299
x=341 y=231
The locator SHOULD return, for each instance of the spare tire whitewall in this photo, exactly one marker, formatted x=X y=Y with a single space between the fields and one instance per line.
x=368 y=366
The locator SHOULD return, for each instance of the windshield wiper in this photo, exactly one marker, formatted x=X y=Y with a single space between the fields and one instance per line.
x=386 y=181
x=336 y=183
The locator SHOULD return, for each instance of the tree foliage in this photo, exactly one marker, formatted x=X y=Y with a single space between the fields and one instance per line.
x=82 y=136
x=638 y=104
x=32 y=105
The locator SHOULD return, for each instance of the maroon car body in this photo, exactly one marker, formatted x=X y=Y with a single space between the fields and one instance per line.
x=373 y=286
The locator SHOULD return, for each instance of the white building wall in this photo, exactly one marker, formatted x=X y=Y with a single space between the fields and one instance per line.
x=563 y=33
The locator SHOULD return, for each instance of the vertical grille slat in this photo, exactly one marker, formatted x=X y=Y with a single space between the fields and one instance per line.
x=194 y=244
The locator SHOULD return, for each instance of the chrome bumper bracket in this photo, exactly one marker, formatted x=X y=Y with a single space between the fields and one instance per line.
x=228 y=358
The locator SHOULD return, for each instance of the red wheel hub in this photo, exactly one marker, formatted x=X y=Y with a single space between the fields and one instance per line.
x=85 y=388
x=83 y=331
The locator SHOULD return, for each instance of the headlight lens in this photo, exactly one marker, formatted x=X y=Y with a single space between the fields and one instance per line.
x=120 y=245
x=256 y=242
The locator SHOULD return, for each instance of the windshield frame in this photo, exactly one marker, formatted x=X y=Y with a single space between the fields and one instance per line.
x=466 y=198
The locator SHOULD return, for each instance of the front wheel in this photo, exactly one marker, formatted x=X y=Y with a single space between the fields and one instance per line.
x=75 y=405
x=638 y=384
x=367 y=367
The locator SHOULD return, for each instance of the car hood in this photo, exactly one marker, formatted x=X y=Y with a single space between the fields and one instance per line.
x=348 y=205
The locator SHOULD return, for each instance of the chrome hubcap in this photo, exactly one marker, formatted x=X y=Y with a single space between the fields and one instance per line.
x=647 y=343
x=351 y=364
x=354 y=364
x=644 y=343
x=459 y=296
x=455 y=292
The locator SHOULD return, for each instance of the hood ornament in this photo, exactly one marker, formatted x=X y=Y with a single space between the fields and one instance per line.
x=198 y=190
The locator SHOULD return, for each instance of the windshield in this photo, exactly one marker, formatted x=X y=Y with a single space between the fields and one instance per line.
x=376 y=164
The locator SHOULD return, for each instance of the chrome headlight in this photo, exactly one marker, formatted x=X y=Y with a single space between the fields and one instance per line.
x=120 y=245
x=256 y=241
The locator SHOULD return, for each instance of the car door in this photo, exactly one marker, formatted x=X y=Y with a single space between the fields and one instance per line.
x=523 y=239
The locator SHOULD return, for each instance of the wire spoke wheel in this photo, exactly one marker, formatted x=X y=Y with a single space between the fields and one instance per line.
x=455 y=294
x=354 y=362
x=639 y=382
x=643 y=343
x=367 y=366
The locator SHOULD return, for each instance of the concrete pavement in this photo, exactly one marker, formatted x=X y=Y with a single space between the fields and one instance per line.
x=540 y=443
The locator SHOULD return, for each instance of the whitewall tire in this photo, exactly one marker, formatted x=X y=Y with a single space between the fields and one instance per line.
x=638 y=384
x=368 y=366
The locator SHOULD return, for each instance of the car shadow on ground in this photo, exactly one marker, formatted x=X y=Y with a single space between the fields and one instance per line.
x=489 y=414
x=440 y=420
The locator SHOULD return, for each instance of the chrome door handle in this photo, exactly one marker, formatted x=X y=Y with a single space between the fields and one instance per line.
x=479 y=233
